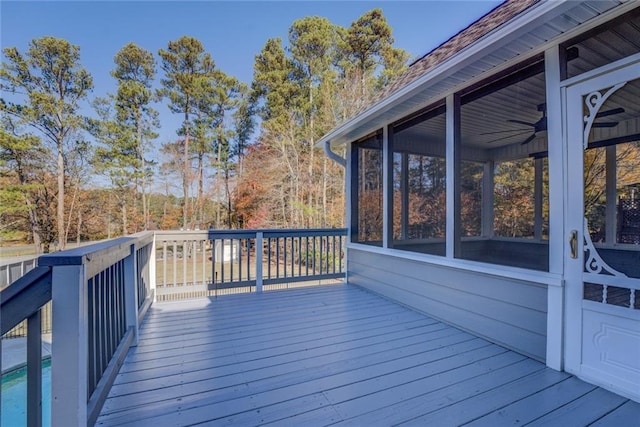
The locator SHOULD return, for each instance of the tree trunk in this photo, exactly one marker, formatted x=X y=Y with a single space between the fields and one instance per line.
x=60 y=211
x=200 y=201
x=185 y=173
x=218 y=175
x=143 y=174
x=79 y=227
x=324 y=191
x=35 y=229
x=124 y=218
x=228 y=193
x=311 y=157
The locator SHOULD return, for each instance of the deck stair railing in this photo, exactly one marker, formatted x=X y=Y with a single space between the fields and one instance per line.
x=24 y=300
x=100 y=293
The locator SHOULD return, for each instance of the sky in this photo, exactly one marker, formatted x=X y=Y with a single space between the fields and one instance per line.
x=233 y=32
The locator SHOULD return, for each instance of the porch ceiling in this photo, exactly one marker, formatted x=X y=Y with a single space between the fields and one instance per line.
x=523 y=36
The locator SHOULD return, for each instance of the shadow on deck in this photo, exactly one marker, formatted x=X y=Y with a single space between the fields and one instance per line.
x=336 y=355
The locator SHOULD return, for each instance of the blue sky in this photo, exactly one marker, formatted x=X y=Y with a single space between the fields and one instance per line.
x=232 y=31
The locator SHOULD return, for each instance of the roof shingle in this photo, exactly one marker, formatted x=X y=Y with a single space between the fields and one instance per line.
x=480 y=28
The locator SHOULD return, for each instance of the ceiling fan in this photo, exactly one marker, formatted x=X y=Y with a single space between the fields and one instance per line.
x=541 y=124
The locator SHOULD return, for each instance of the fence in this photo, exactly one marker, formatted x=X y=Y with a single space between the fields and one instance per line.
x=13 y=268
x=210 y=263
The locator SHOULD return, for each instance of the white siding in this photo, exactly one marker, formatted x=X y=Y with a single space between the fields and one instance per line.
x=506 y=311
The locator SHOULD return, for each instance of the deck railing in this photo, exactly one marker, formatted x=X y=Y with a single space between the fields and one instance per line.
x=213 y=262
x=100 y=293
x=12 y=269
x=24 y=300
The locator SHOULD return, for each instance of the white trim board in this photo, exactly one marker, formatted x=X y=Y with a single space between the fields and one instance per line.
x=537 y=277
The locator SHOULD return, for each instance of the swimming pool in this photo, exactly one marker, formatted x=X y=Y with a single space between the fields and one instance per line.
x=14 y=396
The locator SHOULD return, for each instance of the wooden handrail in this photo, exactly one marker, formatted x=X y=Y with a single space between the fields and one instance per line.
x=24 y=297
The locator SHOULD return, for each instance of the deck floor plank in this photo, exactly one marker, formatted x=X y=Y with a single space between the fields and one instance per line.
x=626 y=415
x=224 y=388
x=333 y=354
x=530 y=408
x=582 y=411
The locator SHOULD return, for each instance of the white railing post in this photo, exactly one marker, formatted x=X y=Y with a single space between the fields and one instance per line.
x=69 y=350
x=259 y=251
x=131 y=293
x=152 y=269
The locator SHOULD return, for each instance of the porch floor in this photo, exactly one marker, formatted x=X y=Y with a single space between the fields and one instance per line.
x=336 y=355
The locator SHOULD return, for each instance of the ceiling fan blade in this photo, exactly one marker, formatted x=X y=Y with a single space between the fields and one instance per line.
x=508 y=136
x=605 y=125
x=505 y=131
x=520 y=122
x=528 y=140
x=610 y=112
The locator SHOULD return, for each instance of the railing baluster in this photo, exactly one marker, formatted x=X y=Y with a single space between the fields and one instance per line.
x=109 y=280
x=231 y=260
x=203 y=245
x=214 y=272
x=284 y=250
x=194 y=271
x=314 y=254
x=299 y=255
x=101 y=321
x=222 y=261
x=306 y=254
x=184 y=262
x=249 y=246
x=259 y=252
x=269 y=257
x=164 y=264
x=333 y=252
x=293 y=257
x=175 y=263
x=326 y=242
x=239 y=261
x=277 y=257
x=34 y=369
x=91 y=303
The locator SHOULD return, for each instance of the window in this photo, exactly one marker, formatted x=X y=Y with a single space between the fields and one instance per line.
x=503 y=214
x=612 y=181
x=366 y=197
x=419 y=183
x=471 y=178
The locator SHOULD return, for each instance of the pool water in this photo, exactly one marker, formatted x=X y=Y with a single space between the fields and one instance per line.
x=14 y=396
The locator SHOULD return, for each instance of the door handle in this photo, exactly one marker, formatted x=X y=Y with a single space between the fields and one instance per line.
x=573 y=243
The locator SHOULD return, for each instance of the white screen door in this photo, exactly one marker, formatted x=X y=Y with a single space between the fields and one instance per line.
x=602 y=259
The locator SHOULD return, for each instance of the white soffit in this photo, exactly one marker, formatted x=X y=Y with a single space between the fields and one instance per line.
x=525 y=35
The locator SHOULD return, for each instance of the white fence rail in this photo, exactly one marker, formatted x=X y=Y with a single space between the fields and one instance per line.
x=11 y=269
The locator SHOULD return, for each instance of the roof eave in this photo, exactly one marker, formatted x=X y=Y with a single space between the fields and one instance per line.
x=520 y=24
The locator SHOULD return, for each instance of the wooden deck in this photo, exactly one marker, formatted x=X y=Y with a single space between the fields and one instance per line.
x=336 y=355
